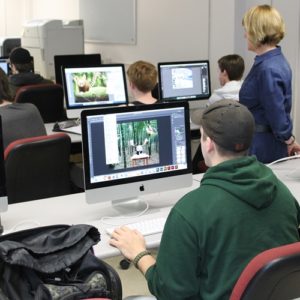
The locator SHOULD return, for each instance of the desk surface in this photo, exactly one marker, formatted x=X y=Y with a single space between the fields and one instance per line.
x=75 y=138
x=72 y=209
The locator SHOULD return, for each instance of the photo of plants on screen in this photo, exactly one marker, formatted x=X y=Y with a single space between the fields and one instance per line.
x=90 y=86
x=138 y=144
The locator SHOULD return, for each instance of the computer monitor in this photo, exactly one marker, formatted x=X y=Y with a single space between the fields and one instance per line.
x=92 y=87
x=3 y=194
x=74 y=60
x=136 y=150
x=184 y=80
x=4 y=64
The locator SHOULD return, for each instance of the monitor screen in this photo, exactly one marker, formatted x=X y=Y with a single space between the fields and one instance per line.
x=3 y=195
x=132 y=151
x=91 y=87
x=74 y=60
x=4 y=65
x=187 y=80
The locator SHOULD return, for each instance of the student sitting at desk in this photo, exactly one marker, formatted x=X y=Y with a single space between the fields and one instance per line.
x=142 y=77
x=239 y=210
x=22 y=70
x=231 y=70
x=19 y=120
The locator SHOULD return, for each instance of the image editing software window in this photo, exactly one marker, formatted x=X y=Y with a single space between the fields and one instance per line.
x=89 y=87
x=184 y=80
x=136 y=144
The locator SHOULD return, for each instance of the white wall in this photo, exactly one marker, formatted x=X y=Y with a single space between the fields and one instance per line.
x=173 y=30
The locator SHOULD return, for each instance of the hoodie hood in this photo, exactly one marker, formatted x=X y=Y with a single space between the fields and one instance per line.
x=245 y=179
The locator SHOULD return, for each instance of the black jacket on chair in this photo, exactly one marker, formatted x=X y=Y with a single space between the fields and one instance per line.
x=55 y=260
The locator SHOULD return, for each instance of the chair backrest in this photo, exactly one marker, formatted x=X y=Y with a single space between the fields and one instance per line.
x=38 y=167
x=48 y=98
x=273 y=274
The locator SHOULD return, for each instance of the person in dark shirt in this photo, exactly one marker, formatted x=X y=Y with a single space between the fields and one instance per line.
x=19 y=120
x=22 y=71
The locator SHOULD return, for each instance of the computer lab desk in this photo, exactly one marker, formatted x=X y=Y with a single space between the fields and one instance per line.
x=75 y=138
x=72 y=209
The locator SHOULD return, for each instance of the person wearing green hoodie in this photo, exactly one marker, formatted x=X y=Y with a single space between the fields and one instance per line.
x=240 y=209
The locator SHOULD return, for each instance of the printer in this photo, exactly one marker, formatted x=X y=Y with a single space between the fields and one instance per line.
x=46 y=38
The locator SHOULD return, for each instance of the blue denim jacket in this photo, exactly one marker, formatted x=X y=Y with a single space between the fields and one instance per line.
x=267 y=92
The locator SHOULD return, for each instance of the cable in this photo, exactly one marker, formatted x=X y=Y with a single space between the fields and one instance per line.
x=24 y=222
x=283 y=159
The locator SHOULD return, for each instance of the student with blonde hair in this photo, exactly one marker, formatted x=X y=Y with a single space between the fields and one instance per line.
x=142 y=77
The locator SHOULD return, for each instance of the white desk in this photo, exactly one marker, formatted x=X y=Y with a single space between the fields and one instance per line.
x=289 y=173
x=72 y=209
x=75 y=138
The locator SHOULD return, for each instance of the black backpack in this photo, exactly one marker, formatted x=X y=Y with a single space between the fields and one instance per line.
x=55 y=262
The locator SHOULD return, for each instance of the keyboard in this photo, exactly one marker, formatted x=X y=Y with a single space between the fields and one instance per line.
x=145 y=227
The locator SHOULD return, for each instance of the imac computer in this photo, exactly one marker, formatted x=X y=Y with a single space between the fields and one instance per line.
x=184 y=81
x=3 y=194
x=74 y=60
x=132 y=151
x=92 y=87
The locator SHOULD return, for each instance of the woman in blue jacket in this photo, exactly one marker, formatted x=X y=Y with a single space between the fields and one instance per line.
x=267 y=89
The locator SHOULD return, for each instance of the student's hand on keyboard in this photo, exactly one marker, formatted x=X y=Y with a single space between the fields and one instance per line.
x=145 y=227
x=129 y=241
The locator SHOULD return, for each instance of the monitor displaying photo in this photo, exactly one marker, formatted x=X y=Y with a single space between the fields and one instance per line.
x=91 y=87
x=184 y=81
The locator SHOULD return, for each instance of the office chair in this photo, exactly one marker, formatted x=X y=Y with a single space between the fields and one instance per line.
x=273 y=274
x=48 y=98
x=38 y=167
x=198 y=163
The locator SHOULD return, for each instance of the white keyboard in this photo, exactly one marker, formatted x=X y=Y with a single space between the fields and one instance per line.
x=145 y=227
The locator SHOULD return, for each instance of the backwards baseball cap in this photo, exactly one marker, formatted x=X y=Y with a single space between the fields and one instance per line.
x=229 y=124
x=20 y=55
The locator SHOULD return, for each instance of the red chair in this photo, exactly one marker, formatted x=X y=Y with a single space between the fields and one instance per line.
x=273 y=274
x=48 y=98
x=38 y=167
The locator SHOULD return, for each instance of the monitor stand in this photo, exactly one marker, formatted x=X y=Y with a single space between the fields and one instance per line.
x=131 y=206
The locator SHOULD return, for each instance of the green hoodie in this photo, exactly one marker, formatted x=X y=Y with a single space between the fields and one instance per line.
x=240 y=210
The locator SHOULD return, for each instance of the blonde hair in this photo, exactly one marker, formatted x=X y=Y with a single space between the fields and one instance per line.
x=143 y=75
x=264 y=25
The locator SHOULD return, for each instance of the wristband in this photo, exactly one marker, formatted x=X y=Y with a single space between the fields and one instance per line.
x=292 y=142
x=139 y=256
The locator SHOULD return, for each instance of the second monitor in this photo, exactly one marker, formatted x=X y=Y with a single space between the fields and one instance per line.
x=91 y=87
x=184 y=80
